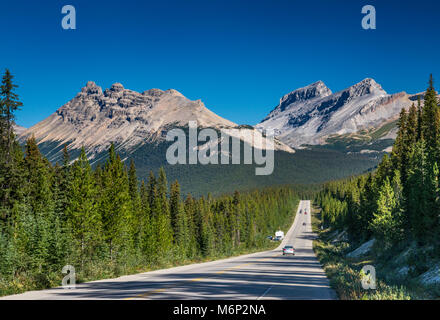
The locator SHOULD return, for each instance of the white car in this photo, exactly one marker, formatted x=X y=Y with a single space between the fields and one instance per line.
x=288 y=250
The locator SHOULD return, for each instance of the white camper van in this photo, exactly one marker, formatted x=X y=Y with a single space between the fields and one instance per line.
x=279 y=235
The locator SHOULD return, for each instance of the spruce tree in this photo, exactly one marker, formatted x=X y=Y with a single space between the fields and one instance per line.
x=398 y=152
x=9 y=103
x=419 y=119
x=151 y=189
x=175 y=208
x=431 y=122
x=38 y=175
x=115 y=204
x=385 y=222
x=82 y=211
x=11 y=175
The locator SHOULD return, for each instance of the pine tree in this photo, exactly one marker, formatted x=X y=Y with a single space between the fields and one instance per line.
x=162 y=191
x=367 y=207
x=411 y=127
x=38 y=178
x=133 y=183
x=419 y=119
x=175 y=208
x=64 y=183
x=12 y=179
x=11 y=175
x=161 y=228
x=431 y=122
x=237 y=213
x=160 y=212
x=151 y=189
x=385 y=223
x=9 y=103
x=136 y=207
x=83 y=217
x=115 y=204
x=431 y=216
x=398 y=152
x=147 y=236
x=417 y=202
x=193 y=226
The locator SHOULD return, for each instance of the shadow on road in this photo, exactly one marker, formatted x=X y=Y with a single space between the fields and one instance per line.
x=249 y=282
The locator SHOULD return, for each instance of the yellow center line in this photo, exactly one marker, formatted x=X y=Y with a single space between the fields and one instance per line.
x=146 y=294
x=197 y=279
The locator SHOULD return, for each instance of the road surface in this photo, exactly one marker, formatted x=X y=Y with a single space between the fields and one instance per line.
x=263 y=275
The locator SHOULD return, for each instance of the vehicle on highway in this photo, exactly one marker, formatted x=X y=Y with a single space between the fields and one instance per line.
x=288 y=250
x=304 y=223
x=279 y=234
x=300 y=210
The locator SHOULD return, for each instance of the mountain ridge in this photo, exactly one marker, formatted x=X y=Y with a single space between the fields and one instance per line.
x=95 y=118
x=311 y=121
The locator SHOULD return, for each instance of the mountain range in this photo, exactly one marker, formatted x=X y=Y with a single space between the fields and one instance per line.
x=311 y=115
x=314 y=128
x=94 y=119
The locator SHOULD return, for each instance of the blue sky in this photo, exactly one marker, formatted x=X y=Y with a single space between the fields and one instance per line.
x=239 y=57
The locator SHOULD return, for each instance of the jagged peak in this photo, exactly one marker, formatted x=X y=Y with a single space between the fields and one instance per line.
x=174 y=92
x=366 y=86
x=316 y=84
x=153 y=92
x=117 y=87
x=91 y=88
x=314 y=90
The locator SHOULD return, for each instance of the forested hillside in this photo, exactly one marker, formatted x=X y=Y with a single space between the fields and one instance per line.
x=401 y=199
x=398 y=204
x=105 y=223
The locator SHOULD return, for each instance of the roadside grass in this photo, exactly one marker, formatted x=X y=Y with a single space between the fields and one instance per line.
x=345 y=273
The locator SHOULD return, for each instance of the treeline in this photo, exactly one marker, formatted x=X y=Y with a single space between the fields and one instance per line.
x=400 y=200
x=105 y=223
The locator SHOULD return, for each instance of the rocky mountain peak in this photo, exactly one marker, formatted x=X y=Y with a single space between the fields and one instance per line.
x=310 y=114
x=314 y=90
x=153 y=92
x=117 y=87
x=93 y=118
x=174 y=92
x=366 y=86
x=91 y=88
